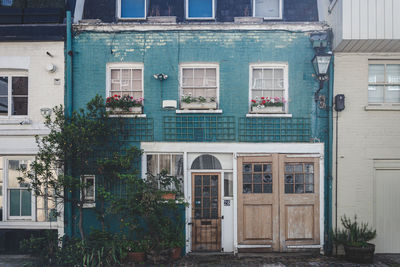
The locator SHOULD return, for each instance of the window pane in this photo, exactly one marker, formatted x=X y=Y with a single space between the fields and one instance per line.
x=19 y=86
x=89 y=188
x=177 y=165
x=187 y=77
x=393 y=73
x=375 y=94
x=199 y=77
x=3 y=106
x=267 y=8
x=19 y=106
x=165 y=163
x=211 y=75
x=14 y=202
x=3 y=86
x=200 y=8
x=257 y=78
x=13 y=173
x=228 y=184
x=152 y=164
x=376 y=73
x=267 y=79
x=392 y=94
x=26 y=200
x=132 y=8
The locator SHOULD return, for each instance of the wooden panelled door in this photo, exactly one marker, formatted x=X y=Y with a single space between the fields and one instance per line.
x=278 y=202
x=206 y=212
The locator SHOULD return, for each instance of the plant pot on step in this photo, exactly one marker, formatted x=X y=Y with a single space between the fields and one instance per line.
x=136 y=257
x=176 y=253
x=169 y=196
x=360 y=254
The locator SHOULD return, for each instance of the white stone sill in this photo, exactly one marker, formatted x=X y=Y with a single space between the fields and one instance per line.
x=279 y=115
x=15 y=120
x=183 y=111
x=128 y=116
x=395 y=107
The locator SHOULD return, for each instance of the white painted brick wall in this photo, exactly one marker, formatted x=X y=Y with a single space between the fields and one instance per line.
x=363 y=136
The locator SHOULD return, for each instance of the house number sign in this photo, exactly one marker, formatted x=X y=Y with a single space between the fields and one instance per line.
x=227 y=203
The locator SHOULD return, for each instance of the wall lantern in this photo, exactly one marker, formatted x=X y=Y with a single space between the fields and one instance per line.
x=321 y=63
x=45 y=112
x=160 y=76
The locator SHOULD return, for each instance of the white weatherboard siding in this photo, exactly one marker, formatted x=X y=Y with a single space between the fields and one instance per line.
x=364 y=137
x=363 y=25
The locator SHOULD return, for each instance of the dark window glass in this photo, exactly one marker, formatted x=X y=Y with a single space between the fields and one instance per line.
x=299 y=178
x=256 y=181
x=206 y=162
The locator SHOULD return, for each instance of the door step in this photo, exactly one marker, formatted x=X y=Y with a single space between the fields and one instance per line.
x=277 y=255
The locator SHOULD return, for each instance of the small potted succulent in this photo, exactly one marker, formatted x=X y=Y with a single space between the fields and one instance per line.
x=198 y=103
x=126 y=104
x=354 y=237
x=267 y=105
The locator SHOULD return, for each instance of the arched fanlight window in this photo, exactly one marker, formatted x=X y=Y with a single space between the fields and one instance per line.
x=206 y=162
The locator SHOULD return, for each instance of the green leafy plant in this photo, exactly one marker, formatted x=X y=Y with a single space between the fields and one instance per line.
x=354 y=233
x=268 y=102
x=200 y=99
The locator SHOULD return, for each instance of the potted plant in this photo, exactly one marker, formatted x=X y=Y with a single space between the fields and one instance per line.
x=354 y=237
x=198 y=103
x=117 y=104
x=169 y=185
x=136 y=250
x=267 y=105
x=177 y=242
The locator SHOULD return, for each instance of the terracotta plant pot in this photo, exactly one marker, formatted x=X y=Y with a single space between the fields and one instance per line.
x=169 y=196
x=360 y=254
x=176 y=253
x=136 y=256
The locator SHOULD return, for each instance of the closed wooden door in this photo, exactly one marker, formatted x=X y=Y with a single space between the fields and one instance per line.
x=258 y=202
x=299 y=202
x=278 y=202
x=206 y=210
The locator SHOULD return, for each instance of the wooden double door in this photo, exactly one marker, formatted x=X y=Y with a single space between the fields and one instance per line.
x=278 y=202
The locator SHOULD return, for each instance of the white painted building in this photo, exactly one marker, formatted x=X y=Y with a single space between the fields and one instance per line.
x=31 y=83
x=366 y=45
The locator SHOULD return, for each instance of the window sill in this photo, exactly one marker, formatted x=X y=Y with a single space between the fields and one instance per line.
x=15 y=121
x=206 y=19
x=127 y=116
x=279 y=115
x=215 y=111
x=378 y=107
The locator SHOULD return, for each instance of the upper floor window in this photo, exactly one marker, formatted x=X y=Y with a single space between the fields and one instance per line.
x=200 y=9
x=125 y=82
x=267 y=9
x=13 y=94
x=269 y=88
x=384 y=82
x=199 y=86
x=132 y=9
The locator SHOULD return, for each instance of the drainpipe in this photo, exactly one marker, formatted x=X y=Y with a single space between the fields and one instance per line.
x=68 y=113
x=330 y=143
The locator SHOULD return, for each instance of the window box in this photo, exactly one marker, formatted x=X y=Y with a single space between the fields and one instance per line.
x=248 y=20
x=271 y=109
x=132 y=110
x=162 y=19
x=199 y=106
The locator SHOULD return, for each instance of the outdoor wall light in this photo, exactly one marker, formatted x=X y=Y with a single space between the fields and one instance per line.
x=321 y=63
x=160 y=76
x=45 y=112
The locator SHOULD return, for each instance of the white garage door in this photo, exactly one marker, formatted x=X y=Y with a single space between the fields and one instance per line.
x=387 y=211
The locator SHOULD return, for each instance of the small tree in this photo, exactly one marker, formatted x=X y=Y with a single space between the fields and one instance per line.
x=67 y=153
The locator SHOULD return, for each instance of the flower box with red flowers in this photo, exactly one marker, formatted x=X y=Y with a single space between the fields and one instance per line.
x=126 y=104
x=268 y=105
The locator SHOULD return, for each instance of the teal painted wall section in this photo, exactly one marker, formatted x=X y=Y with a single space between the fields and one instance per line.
x=163 y=51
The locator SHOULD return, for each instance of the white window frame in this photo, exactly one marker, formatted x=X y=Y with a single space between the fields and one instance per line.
x=199 y=18
x=384 y=84
x=199 y=65
x=276 y=65
x=91 y=202
x=6 y=195
x=9 y=74
x=269 y=18
x=119 y=6
x=111 y=66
